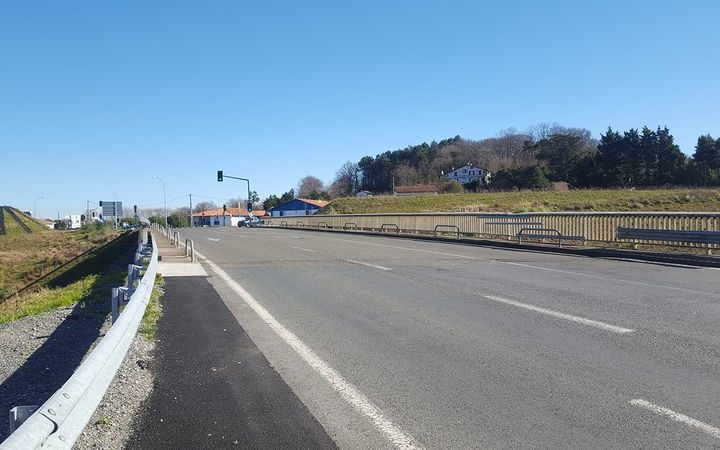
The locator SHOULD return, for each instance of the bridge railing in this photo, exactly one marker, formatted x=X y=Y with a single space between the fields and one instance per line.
x=60 y=420
x=593 y=226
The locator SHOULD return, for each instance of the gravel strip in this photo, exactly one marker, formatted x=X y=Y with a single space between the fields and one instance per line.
x=112 y=424
x=39 y=353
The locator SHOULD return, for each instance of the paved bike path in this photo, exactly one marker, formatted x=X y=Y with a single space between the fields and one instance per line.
x=213 y=386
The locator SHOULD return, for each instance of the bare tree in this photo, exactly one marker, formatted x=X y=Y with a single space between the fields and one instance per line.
x=204 y=206
x=347 y=180
x=309 y=186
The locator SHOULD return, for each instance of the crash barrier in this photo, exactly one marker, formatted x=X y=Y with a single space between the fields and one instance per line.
x=546 y=233
x=61 y=419
x=592 y=226
x=390 y=227
x=446 y=227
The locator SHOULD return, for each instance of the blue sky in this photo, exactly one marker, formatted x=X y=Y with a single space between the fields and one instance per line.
x=97 y=97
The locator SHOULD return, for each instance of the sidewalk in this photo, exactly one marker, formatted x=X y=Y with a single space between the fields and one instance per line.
x=214 y=388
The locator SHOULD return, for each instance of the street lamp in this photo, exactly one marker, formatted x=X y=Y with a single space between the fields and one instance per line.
x=35 y=206
x=115 y=217
x=164 y=199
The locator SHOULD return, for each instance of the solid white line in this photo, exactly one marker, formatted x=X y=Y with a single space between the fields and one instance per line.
x=212 y=239
x=677 y=417
x=304 y=249
x=559 y=315
x=352 y=261
x=347 y=391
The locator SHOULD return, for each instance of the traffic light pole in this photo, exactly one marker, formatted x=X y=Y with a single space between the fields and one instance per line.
x=249 y=200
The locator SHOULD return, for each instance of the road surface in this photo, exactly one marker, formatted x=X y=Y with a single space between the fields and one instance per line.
x=401 y=343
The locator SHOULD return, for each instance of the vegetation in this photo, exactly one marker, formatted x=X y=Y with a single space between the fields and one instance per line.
x=13 y=228
x=548 y=201
x=25 y=257
x=148 y=325
x=92 y=288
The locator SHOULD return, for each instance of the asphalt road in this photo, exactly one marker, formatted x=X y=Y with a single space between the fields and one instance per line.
x=394 y=342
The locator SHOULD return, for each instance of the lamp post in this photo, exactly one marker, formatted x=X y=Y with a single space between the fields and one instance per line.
x=35 y=206
x=115 y=217
x=164 y=199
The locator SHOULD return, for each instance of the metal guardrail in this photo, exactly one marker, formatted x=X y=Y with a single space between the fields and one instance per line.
x=322 y=225
x=598 y=227
x=60 y=420
x=455 y=227
x=390 y=226
x=686 y=236
x=523 y=233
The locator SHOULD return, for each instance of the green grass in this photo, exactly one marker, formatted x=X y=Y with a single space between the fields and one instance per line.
x=25 y=257
x=92 y=289
x=12 y=227
x=148 y=325
x=700 y=200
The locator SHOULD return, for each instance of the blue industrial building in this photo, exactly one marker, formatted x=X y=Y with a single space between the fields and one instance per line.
x=297 y=207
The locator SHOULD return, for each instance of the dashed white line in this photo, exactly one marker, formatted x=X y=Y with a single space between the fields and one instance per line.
x=213 y=239
x=601 y=277
x=352 y=261
x=304 y=249
x=345 y=389
x=559 y=315
x=677 y=417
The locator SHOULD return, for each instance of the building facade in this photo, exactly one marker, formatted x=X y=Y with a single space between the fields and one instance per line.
x=468 y=173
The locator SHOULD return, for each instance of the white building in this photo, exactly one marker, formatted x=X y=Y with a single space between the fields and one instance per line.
x=468 y=173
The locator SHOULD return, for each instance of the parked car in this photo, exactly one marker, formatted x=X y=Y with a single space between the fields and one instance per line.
x=249 y=221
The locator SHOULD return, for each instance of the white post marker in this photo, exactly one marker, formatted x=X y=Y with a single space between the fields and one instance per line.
x=677 y=417
x=559 y=315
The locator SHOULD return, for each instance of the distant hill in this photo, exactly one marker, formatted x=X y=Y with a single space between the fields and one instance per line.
x=13 y=222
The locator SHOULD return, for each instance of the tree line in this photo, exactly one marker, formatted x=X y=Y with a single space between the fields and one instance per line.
x=529 y=159
x=545 y=153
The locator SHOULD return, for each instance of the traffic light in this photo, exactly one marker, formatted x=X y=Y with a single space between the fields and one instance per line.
x=220 y=176
x=249 y=206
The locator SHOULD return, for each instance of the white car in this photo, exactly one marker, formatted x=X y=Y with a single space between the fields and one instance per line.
x=249 y=221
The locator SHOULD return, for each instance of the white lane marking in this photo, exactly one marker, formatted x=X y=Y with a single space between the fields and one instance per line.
x=352 y=261
x=403 y=248
x=304 y=249
x=529 y=266
x=677 y=417
x=212 y=239
x=559 y=315
x=347 y=391
x=601 y=277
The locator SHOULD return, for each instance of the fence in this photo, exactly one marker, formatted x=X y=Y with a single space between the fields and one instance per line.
x=589 y=226
x=61 y=419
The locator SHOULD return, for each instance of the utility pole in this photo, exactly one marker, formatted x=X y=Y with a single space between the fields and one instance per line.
x=87 y=211
x=191 y=216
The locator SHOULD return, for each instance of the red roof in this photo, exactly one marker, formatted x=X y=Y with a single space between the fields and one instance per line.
x=233 y=212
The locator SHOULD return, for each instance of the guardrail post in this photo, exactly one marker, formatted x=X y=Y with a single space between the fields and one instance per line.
x=176 y=239
x=190 y=249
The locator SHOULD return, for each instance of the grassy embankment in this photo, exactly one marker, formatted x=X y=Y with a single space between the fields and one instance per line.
x=701 y=200
x=26 y=257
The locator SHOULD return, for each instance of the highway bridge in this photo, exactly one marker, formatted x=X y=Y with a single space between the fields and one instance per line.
x=400 y=343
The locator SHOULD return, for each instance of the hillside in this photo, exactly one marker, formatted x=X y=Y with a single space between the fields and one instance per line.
x=26 y=257
x=15 y=222
x=702 y=200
